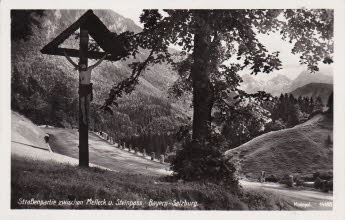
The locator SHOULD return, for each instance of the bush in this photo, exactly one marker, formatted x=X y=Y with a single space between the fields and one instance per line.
x=275 y=126
x=287 y=180
x=318 y=183
x=329 y=140
x=314 y=113
x=169 y=157
x=299 y=181
x=324 y=185
x=272 y=178
x=308 y=178
x=325 y=175
x=204 y=160
x=330 y=185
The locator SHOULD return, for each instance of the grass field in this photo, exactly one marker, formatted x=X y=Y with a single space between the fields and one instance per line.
x=67 y=184
x=302 y=149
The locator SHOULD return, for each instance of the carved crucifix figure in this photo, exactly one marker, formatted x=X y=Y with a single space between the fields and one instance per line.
x=85 y=89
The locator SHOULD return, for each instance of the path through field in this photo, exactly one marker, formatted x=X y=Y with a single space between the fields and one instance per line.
x=302 y=199
x=65 y=141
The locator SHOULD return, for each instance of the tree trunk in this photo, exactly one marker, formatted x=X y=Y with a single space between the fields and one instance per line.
x=202 y=87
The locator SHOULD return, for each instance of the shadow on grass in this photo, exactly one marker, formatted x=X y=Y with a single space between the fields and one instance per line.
x=33 y=183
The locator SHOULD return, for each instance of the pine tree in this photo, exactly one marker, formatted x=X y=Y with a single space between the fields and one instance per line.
x=294 y=116
x=318 y=105
x=330 y=103
x=311 y=105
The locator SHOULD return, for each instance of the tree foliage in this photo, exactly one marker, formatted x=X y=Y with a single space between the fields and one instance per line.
x=230 y=35
x=22 y=22
x=217 y=45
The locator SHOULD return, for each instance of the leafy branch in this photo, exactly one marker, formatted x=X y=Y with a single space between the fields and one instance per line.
x=127 y=85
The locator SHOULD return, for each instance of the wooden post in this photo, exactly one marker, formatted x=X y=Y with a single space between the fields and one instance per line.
x=161 y=159
x=84 y=102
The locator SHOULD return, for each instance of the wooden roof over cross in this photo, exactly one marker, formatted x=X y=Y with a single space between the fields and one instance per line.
x=106 y=39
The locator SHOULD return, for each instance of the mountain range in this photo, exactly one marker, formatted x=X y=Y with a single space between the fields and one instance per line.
x=156 y=81
x=282 y=84
x=275 y=86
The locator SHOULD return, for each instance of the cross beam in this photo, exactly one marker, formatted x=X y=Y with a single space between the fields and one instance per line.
x=75 y=53
x=107 y=40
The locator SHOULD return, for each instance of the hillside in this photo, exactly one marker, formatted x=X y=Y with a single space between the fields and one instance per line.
x=26 y=133
x=153 y=82
x=45 y=88
x=302 y=149
x=39 y=174
x=28 y=142
x=314 y=90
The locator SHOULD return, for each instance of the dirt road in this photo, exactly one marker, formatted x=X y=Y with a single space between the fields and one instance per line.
x=65 y=141
x=301 y=199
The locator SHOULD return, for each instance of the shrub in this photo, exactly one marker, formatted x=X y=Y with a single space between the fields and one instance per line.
x=325 y=175
x=324 y=185
x=169 y=157
x=287 y=180
x=330 y=185
x=299 y=181
x=204 y=160
x=275 y=126
x=318 y=183
x=329 y=140
x=308 y=178
x=314 y=113
x=272 y=178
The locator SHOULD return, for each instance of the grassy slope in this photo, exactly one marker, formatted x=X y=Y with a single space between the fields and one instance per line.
x=42 y=175
x=44 y=180
x=24 y=132
x=298 y=150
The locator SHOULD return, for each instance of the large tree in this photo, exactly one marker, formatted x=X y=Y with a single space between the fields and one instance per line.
x=218 y=44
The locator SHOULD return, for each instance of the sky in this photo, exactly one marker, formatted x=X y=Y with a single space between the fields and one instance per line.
x=291 y=67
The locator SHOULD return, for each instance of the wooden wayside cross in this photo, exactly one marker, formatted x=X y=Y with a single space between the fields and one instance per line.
x=89 y=24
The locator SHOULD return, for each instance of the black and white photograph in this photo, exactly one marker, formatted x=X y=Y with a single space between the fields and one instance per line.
x=185 y=109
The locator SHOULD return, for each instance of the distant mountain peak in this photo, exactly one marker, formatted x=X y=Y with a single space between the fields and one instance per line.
x=280 y=77
x=274 y=86
x=280 y=83
x=306 y=77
